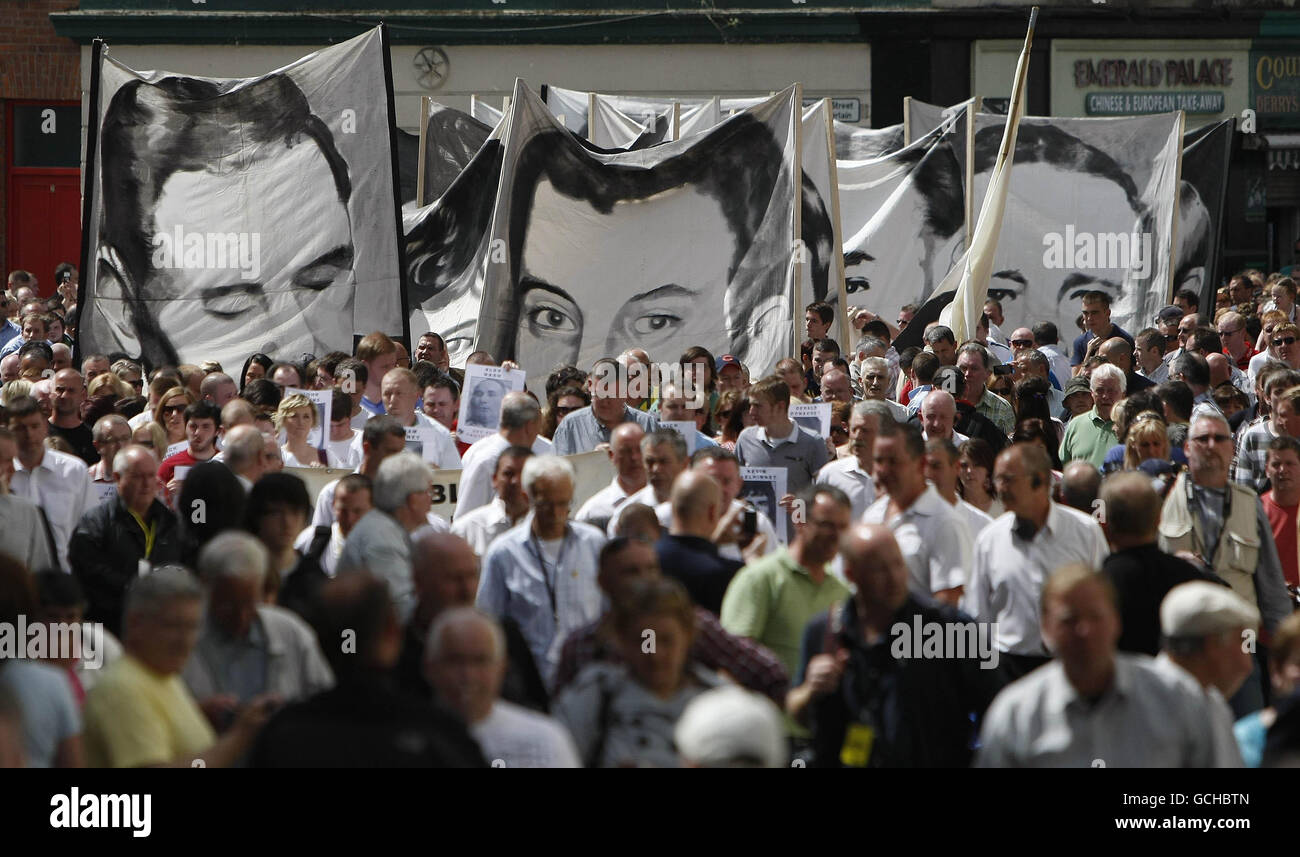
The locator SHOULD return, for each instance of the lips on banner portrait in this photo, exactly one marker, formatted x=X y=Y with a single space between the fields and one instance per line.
x=226 y=216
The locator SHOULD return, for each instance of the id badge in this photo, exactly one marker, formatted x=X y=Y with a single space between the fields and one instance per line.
x=856 y=751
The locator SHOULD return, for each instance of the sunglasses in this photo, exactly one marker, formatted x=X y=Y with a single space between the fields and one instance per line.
x=1284 y=340
x=560 y=409
x=1021 y=343
x=180 y=409
x=138 y=382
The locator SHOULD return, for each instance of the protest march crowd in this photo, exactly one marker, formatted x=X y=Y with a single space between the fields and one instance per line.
x=1033 y=548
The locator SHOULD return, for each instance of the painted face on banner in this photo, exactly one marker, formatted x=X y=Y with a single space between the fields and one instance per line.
x=652 y=273
x=294 y=258
x=1043 y=266
x=894 y=257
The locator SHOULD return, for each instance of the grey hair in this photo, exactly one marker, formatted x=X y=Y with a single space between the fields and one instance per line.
x=1107 y=372
x=399 y=477
x=458 y=616
x=546 y=467
x=148 y=595
x=122 y=460
x=874 y=407
x=871 y=343
x=105 y=424
x=986 y=356
x=243 y=446
x=666 y=437
x=879 y=363
x=1206 y=411
x=234 y=554
x=518 y=410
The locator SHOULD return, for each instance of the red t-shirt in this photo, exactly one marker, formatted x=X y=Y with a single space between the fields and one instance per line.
x=180 y=459
x=1244 y=363
x=1283 y=521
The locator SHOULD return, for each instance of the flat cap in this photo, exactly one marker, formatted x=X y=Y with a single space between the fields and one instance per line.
x=1200 y=608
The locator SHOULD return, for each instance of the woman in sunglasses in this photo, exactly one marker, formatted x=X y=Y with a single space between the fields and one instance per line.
x=560 y=404
x=170 y=414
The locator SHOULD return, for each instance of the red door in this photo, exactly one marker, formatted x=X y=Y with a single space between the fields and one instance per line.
x=44 y=222
x=43 y=209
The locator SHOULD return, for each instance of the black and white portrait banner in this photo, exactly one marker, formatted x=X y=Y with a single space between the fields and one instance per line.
x=226 y=216
x=686 y=243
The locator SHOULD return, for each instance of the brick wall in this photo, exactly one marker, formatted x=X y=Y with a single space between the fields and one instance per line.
x=34 y=63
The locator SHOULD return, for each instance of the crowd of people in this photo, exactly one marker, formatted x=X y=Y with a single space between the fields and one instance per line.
x=1024 y=549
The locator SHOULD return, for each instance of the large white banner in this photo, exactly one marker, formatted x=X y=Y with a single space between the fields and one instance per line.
x=227 y=216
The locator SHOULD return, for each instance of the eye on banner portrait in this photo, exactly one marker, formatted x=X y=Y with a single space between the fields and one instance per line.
x=902 y=217
x=685 y=243
x=227 y=216
x=1107 y=223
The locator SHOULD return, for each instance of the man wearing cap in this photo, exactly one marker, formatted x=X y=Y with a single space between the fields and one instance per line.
x=1141 y=573
x=1225 y=526
x=1093 y=706
x=1167 y=320
x=730 y=727
x=731 y=375
x=1079 y=387
x=1207 y=630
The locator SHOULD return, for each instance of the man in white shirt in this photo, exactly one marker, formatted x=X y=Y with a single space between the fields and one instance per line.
x=521 y=424
x=465 y=662
x=1047 y=338
x=1204 y=626
x=852 y=473
x=482 y=526
x=629 y=476
x=56 y=482
x=1093 y=706
x=401 y=393
x=1016 y=554
x=942 y=465
x=542 y=573
x=344 y=441
x=22 y=535
x=932 y=536
x=353 y=499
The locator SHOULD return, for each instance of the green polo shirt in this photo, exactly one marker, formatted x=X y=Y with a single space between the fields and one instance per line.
x=772 y=599
x=1088 y=437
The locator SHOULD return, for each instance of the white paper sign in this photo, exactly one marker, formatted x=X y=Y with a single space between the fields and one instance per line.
x=420 y=440
x=764 y=487
x=176 y=447
x=324 y=402
x=815 y=417
x=104 y=491
x=685 y=428
x=180 y=472
x=480 y=400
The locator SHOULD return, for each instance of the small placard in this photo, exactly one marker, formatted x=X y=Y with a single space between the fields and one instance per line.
x=685 y=428
x=764 y=487
x=480 y=400
x=815 y=417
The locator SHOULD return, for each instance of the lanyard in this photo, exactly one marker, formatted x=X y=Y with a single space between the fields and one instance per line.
x=150 y=531
x=535 y=548
x=1223 y=527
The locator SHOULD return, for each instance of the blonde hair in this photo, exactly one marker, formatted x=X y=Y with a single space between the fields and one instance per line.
x=158 y=435
x=289 y=404
x=1146 y=426
x=15 y=389
x=107 y=380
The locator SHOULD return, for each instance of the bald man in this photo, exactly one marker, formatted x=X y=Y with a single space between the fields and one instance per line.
x=687 y=552
x=68 y=393
x=629 y=476
x=1119 y=352
x=938 y=411
x=445 y=573
x=1220 y=369
x=836 y=387
x=864 y=656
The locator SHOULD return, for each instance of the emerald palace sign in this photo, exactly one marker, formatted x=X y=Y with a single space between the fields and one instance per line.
x=1126 y=86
